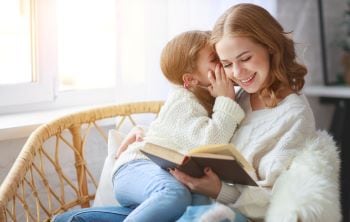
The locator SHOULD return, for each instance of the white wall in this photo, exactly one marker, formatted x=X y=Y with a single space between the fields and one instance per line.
x=301 y=17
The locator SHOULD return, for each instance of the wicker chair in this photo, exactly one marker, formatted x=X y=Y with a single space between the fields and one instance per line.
x=52 y=173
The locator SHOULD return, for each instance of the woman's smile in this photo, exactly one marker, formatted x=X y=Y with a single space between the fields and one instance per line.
x=249 y=80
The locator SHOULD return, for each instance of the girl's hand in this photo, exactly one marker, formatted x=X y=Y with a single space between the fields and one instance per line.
x=135 y=134
x=209 y=184
x=220 y=84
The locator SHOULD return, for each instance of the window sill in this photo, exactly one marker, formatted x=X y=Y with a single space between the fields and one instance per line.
x=21 y=125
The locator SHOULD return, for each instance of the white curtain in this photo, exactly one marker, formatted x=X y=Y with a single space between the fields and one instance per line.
x=145 y=26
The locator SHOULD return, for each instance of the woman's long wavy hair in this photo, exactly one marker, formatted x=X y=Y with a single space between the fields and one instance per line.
x=180 y=56
x=249 y=20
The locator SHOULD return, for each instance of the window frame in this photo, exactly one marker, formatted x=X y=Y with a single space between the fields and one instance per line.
x=40 y=89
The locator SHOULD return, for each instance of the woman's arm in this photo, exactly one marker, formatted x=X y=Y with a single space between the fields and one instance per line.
x=209 y=184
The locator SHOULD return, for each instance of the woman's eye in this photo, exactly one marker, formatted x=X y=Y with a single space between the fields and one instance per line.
x=246 y=59
x=226 y=65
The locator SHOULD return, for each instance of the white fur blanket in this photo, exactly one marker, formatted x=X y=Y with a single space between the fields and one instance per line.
x=309 y=190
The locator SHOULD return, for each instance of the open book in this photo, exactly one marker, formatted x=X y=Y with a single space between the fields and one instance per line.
x=223 y=159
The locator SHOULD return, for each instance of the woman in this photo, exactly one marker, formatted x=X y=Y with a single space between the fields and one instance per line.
x=260 y=57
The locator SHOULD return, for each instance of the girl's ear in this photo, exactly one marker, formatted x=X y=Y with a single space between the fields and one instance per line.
x=187 y=77
x=190 y=79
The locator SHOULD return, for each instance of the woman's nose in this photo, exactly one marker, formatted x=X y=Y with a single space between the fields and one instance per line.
x=236 y=70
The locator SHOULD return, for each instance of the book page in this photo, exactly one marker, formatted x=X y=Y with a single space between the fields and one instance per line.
x=213 y=156
x=165 y=153
x=224 y=149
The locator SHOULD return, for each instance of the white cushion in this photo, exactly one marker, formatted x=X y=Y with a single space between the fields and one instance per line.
x=104 y=193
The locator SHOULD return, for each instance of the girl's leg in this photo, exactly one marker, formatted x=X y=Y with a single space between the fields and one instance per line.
x=101 y=214
x=156 y=193
x=199 y=199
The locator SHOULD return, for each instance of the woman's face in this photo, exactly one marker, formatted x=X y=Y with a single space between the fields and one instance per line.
x=245 y=62
x=207 y=60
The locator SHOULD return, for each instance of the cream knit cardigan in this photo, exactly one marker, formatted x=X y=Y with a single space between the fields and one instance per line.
x=183 y=123
x=269 y=139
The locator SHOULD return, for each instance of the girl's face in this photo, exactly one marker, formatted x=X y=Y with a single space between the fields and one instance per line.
x=245 y=62
x=207 y=59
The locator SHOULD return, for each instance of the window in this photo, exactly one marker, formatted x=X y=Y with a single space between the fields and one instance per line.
x=56 y=53
x=20 y=81
x=15 y=43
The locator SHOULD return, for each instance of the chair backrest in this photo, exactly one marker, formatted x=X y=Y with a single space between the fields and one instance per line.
x=53 y=172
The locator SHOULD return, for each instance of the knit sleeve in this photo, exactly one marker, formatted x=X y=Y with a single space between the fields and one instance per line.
x=185 y=123
x=228 y=193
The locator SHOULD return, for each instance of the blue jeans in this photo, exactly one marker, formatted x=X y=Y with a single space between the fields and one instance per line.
x=195 y=214
x=118 y=214
x=141 y=184
x=101 y=214
x=153 y=192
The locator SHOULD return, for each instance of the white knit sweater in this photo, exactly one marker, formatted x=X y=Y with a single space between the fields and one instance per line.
x=269 y=139
x=183 y=123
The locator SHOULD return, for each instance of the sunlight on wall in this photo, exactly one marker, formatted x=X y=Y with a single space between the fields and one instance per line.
x=86 y=44
x=132 y=41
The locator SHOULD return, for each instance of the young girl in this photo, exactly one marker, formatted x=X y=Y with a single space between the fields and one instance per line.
x=190 y=117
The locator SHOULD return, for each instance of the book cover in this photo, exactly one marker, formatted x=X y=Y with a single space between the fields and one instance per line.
x=220 y=158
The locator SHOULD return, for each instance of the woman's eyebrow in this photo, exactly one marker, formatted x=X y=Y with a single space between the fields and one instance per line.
x=237 y=57
x=241 y=54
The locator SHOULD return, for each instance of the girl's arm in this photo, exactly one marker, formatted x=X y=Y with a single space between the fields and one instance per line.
x=195 y=127
x=135 y=134
x=184 y=123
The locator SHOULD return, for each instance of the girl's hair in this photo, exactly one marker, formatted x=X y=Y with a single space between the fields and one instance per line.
x=249 y=20
x=180 y=56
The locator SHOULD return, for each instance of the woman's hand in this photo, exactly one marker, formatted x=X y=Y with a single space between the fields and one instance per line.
x=135 y=134
x=209 y=184
x=220 y=84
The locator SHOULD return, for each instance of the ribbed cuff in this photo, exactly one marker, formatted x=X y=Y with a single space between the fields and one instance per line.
x=228 y=194
x=230 y=107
